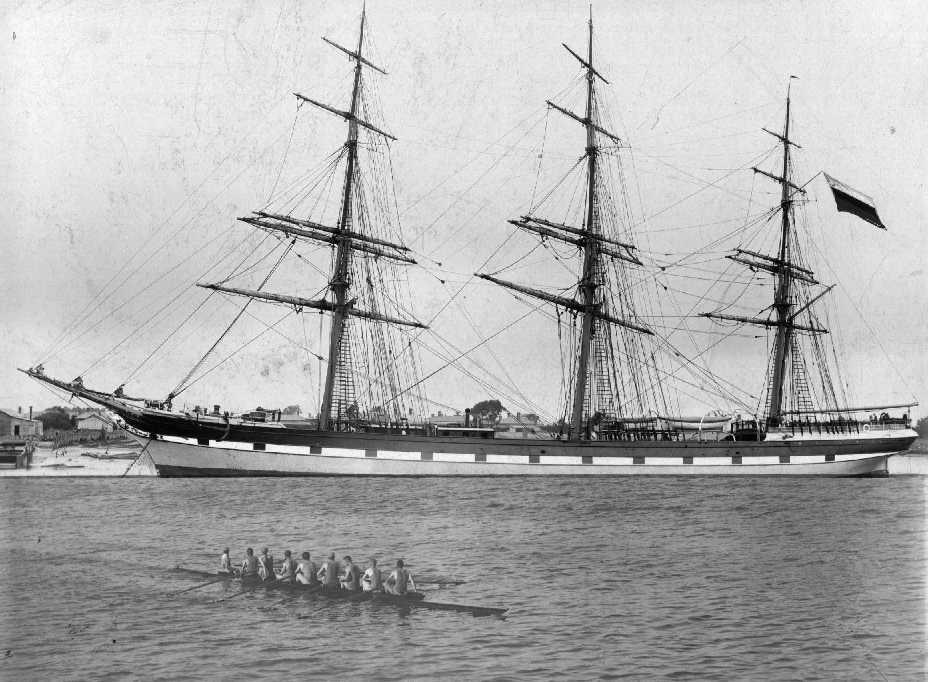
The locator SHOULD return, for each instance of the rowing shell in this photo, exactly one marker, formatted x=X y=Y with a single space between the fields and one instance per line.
x=416 y=599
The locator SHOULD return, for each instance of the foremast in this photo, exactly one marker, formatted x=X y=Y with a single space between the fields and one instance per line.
x=593 y=246
x=346 y=237
x=339 y=282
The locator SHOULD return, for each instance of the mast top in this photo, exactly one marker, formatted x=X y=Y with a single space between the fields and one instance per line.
x=356 y=55
x=588 y=62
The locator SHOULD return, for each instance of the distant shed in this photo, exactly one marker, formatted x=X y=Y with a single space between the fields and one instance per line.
x=94 y=422
x=14 y=424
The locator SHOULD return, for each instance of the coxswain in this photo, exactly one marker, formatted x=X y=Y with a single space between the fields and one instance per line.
x=328 y=574
x=372 y=581
x=305 y=570
x=351 y=578
x=287 y=568
x=249 y=565
x=400 y=580
x=266 y=565
x=225 y=563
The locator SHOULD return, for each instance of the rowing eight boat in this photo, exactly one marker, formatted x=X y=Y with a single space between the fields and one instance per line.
x=416 y=599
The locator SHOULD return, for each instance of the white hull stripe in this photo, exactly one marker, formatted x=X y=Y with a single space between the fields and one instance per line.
x=290 y=458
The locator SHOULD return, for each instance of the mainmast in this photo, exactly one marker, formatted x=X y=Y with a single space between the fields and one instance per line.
x=592 y=244
x=590 y=247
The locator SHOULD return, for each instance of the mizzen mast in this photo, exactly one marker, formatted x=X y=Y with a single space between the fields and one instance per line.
x=787 y=272
x=781 y=300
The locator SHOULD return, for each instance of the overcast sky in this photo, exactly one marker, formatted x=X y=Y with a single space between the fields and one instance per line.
x=145 y=128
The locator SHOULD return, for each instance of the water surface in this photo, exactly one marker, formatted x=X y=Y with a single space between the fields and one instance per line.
x=641 y=577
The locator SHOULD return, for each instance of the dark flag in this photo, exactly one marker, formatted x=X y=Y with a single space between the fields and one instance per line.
x=849 y=200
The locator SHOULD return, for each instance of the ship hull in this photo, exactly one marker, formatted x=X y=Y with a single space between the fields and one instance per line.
x=197 y=445
x=334 y=454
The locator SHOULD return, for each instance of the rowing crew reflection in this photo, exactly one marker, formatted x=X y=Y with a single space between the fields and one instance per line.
x=329 y=576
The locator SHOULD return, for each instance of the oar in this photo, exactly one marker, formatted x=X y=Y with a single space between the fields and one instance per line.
x=197 y=587
x=440 y=583
x=408 y=600
x=465 y=608
x=206 y=574
x=233 y=596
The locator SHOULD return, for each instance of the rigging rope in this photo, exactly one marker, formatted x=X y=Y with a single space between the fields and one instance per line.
x=283 y=161
x=181 y=387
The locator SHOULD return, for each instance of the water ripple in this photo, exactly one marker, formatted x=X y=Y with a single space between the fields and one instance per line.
x=610 y=578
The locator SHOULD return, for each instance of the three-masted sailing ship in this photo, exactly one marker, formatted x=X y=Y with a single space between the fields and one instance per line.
x=616 y=418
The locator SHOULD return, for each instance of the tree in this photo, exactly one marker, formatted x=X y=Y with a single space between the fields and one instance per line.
x=487 y=410
x=56 y=418
x=292 y=409
x=922 y=427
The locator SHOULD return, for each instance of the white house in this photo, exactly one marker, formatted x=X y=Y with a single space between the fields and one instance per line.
x=94 y=422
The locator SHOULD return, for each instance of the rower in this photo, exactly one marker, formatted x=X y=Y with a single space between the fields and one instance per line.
x=287 y=568
x=305 y=570
x=400 y=580
x=351 y=578
x=225 y=563
x=328 y=574
x=266 y=565
x=372 y=581
x=249 y=565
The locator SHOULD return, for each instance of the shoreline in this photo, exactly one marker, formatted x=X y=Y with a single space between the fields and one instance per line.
x=84 y=460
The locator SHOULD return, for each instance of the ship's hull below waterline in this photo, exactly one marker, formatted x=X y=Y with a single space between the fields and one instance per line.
x=358 y=455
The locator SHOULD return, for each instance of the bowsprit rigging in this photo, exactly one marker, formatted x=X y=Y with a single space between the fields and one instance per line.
x=618 y=406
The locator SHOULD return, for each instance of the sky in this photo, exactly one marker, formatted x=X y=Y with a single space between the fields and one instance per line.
x=134 y=133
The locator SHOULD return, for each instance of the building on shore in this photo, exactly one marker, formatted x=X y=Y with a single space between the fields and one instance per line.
x=14 y=425
x=94 y=421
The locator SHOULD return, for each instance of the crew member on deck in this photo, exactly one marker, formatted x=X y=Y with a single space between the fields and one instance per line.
x=306 y=570
x=225 y=563
x=250 y=564
x=400 y=580
x=266 y=565
x=372 y=581
x=287 y=568
x=351 y=578
x=328 y=574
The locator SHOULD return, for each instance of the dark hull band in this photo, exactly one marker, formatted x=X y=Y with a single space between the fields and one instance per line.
x=168 y=471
